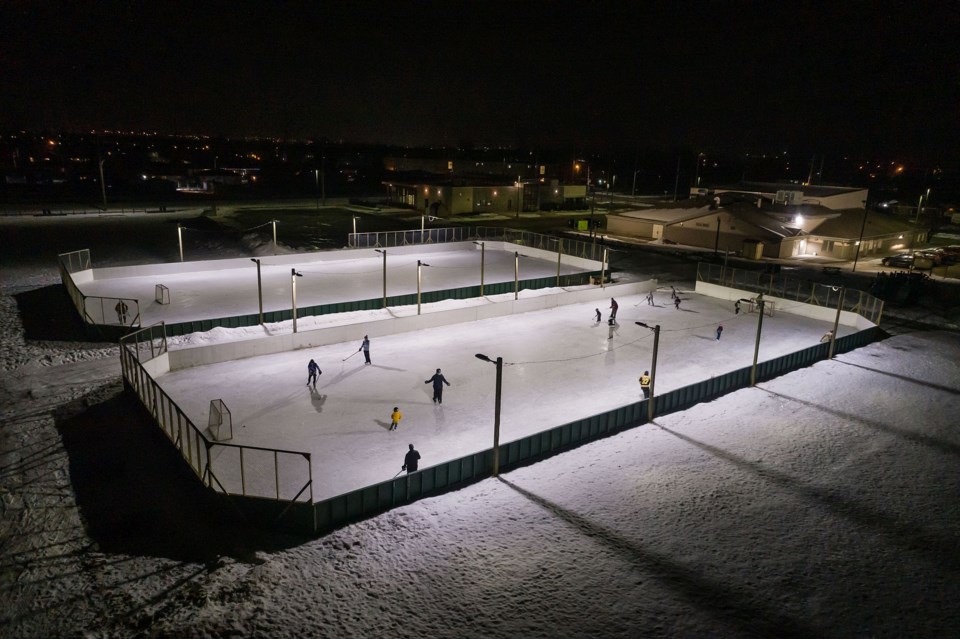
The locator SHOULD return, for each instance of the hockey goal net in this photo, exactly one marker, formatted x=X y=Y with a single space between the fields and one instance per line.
x=220 y=422
x=753 y=306
x=161 y=294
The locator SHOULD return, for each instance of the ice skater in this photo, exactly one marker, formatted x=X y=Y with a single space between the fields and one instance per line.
x=719 y=330
x=411 y=460
x=313 y=371
x=599 y=315
x=676 y=303
x=613 y=309
x=121 y=309
x=645 y=384
x=650 y=299
x=736 y=307
x=673 y=293
x=438 y=381
x=365 y=347
x=395 y=418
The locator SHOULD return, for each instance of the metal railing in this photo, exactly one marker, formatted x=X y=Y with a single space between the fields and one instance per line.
x=94 y=309
x=388 y=239
x=233 y=469
x=805 y=291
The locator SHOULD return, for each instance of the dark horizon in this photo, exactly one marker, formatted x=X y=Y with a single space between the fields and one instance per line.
x=876 y=79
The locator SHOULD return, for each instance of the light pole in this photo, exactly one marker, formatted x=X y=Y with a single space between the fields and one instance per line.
x=863 y=225
x=516 y=275
x=274 y=223
x=316 y=192
x=653 y=366
x=103 y=189
x=384 y=252
x=836 y=322
x=920 y=206
x=603 y=269
x=293 y=294
x=496 y=411
x=259 y=287
x=756 y=348
x=180 y=239
x=716 y=243
x=354 y=218
x=419 y=267
x=633 y=191
x=559 y=242
x=482 y=253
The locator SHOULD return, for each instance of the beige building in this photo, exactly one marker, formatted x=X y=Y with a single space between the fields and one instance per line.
x=449 y=198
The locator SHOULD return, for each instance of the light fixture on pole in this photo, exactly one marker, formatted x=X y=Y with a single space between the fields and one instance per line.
x=180 y=239
x=653 y=366
x=259 y=287
x=293 y=294
x=633 y=191
x=496 y=411
x=516 y=275
x=419 y=278
x=756 y=348
x=482 y=254
x=103 y=190
x=274 y=223
x=316 y=193
x=920 y=205
x=716 y=242
x=384 y=252
x=354 y=218
x=836 y=321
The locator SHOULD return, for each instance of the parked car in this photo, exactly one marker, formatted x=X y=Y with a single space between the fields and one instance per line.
x=900 y=260
x=928 y=254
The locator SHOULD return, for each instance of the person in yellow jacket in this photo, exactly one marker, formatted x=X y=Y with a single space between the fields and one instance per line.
x=395 y=418
x=645 y=384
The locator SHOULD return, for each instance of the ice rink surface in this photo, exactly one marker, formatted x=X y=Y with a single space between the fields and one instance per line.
x=559 y=366
x=231 y=291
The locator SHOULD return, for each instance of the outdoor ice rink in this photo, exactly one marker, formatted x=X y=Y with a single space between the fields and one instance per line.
x=213 y=289
x=559 y=365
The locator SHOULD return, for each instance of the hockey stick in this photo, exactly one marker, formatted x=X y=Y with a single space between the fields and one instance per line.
x=348 y=357
x=398 y=472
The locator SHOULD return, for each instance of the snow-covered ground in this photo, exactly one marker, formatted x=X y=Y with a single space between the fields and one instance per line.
x=820 y=504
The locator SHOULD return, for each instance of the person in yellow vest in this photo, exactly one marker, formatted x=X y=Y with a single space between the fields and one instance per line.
x=645 y=384
x=395 y=418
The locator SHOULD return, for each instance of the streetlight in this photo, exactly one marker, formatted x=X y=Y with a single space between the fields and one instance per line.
x=103 y=189
x=293 y=294
x=180 y=239
x=633 y=191
x=836 y=322
x=354 y=218
x=653 y=366
x=920 y=206
x=482 y=254
x=419 y=265
x=603 y=269
x=756 y=348
x=259 y=287
x=516 y=275
x=496 y=411
x=274 y=223
x=384 y=252
x=316 y=192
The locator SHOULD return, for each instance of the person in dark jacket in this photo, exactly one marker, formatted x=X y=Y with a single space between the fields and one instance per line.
x=438 y=381
x=411 y=460
x=313 y=370
x=365 y=347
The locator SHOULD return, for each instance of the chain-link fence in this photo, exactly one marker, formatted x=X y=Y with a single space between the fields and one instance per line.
x=791 y=288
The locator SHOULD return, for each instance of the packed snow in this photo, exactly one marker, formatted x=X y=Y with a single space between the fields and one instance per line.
x=819 y=504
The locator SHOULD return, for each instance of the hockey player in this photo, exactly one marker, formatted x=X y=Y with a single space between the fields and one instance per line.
x=438 y=381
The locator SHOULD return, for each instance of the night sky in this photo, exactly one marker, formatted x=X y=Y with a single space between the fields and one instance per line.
x=870 y=77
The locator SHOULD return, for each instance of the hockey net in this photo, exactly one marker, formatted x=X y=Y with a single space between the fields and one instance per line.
x=161 y=294
x=753 y=306
x=220 y=422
